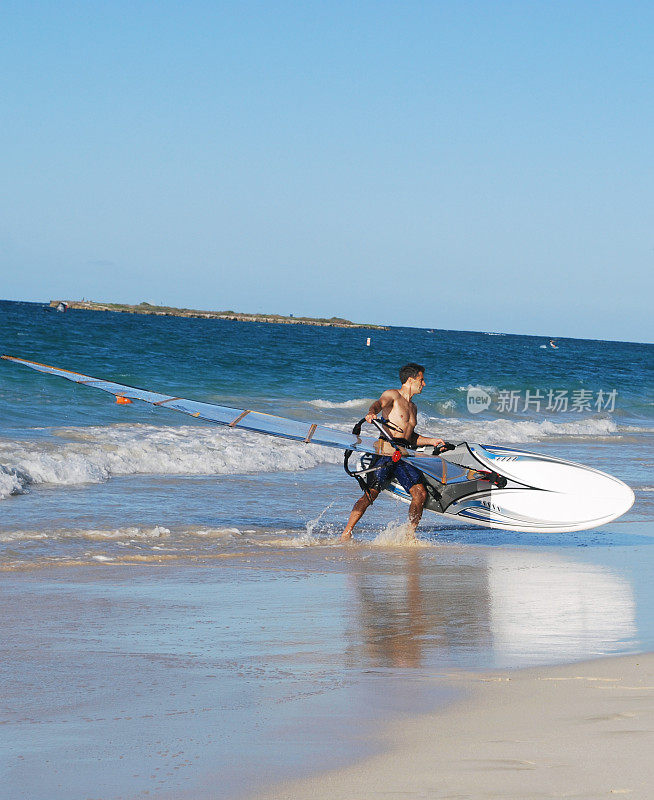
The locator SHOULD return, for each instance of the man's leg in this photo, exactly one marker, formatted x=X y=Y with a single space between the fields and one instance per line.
x=418 y=499
x=358 y=511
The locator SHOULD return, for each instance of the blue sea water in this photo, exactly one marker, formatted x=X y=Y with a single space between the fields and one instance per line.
x=296 y=367
x=84 y=481
x=147 y=557
x=67 y=451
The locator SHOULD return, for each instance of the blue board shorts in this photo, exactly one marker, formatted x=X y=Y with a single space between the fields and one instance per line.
x=388 y=470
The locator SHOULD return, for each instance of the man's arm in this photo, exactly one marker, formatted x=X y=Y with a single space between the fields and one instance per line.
x=386 y=399
x=425 y=441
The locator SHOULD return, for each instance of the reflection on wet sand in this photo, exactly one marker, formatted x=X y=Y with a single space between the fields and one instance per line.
x=556 y=609
x=507 y=608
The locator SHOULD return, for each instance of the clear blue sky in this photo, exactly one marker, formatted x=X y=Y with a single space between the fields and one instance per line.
x=468 y=165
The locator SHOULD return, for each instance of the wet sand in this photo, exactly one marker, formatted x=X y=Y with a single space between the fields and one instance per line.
x=139 y=681
x=580 y=731
x=278 y=659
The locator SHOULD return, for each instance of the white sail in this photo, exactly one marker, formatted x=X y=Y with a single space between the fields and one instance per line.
x=244 y=419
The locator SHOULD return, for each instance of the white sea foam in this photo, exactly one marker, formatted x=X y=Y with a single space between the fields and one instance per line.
x=505 y=430
x=301 y=540
x=446 y=405
x=215 y=533
x=119 y=536
x=357 y=402
x=94 y=454
x=11 y=482
x=489 y=389
x=131 y=533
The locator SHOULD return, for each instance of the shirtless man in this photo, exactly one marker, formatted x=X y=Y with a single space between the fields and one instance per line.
x=397 y=407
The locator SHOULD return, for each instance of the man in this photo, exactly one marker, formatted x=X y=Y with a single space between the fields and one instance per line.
x=398 y=408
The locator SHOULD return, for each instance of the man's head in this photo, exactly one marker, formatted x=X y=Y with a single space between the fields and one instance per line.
x=415 y=375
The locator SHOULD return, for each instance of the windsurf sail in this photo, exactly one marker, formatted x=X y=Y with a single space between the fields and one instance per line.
x=238 y=418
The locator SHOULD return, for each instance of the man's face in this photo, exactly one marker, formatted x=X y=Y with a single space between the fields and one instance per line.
x=419 y=383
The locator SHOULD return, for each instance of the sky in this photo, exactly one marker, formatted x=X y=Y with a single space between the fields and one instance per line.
x=459 y=165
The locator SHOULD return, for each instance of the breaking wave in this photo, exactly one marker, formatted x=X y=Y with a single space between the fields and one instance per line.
x=12 y=481
x=73 y=456
x=357 y=402
x=95 y=454
x=505 y=431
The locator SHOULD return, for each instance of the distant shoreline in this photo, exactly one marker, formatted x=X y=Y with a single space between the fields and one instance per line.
x=169 y=311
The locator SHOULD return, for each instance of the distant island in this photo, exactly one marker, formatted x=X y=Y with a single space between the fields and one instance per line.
x=169 y=311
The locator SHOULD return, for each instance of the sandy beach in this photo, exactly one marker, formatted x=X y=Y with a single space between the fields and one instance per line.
x=280 y=671
x=583 y=730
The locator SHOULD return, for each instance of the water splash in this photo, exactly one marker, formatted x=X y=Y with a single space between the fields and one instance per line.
x=397 y=534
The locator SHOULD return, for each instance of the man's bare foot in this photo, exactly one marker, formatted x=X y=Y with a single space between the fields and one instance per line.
x=346 y=536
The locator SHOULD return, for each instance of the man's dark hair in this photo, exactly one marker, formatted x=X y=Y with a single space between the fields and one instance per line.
x=410 y=371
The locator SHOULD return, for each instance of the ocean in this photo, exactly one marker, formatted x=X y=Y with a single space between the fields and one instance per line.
x=141 y=549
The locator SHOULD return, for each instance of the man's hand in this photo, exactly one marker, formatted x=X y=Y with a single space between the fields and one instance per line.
x=425 y=441
x=370 y=417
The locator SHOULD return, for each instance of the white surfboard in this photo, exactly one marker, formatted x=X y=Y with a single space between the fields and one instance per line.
x=543 y=494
